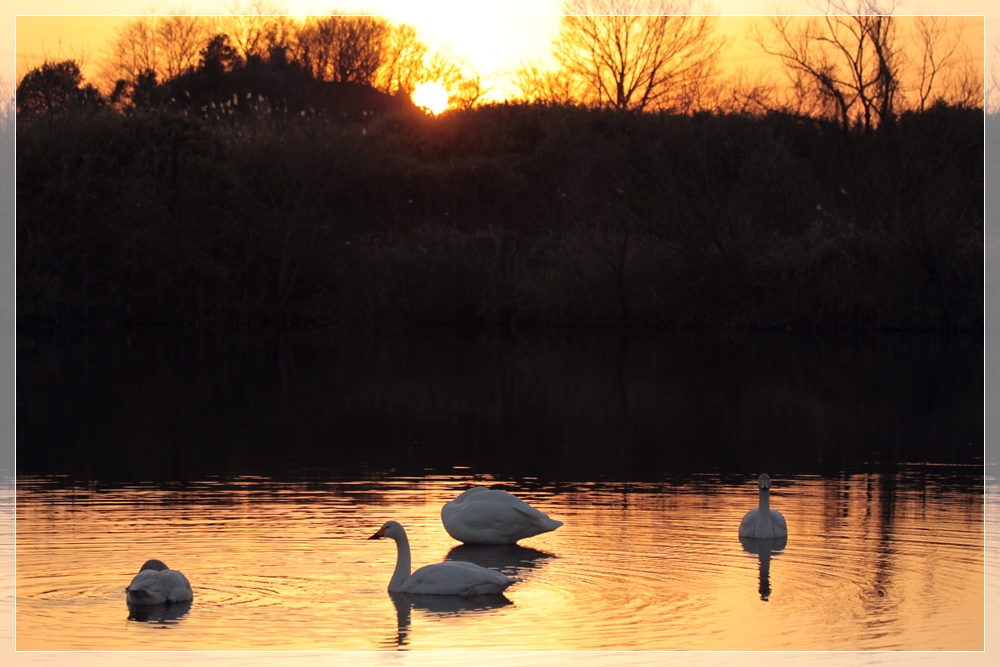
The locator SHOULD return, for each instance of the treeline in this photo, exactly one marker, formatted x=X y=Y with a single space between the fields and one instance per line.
x=267 y=61
x=859 y=66
x=514 y=215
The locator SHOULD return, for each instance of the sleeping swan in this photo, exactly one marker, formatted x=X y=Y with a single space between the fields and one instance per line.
x=448 y=578
x=157 y=584
x=491 y=516
x=762 y=521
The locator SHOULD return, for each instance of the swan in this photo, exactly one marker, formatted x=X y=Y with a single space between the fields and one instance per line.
x=762 y=521
x=491 y=516
x=157 y=584
x=448 y=578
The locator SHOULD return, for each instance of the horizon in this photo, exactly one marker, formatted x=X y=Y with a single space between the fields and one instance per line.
x=502 y=42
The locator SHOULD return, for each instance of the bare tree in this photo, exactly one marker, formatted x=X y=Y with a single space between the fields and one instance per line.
x=403 y=63
x=179 y=40
x=534 y=83
x=254 y=26
x=465 y=85
x=637 y=54
x=845 y=65
x=947 y=71
x=154 y=48
x=134 y=52
x=350 y=49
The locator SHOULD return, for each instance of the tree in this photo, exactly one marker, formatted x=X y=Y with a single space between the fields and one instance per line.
x=53 y=87
x=844 y=66
x=947 y=72
x=534 y=83
x=349 y=49
x=134 y=51
x=219 y=56
x=255 y=26
x=180 y=39
x=637 y=54
x=166 y=46
x=403 y=64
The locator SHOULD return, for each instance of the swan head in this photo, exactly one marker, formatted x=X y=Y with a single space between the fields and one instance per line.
x=764 y=482
x=154 y=564
x=391 y=529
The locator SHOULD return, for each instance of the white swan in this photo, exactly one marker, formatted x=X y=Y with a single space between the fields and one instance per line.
x=490 y=516
x=157 y=584
x=762 y=521
x=448 y=578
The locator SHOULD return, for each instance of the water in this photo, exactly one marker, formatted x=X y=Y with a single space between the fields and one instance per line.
x=260 y=468
x=877 y=562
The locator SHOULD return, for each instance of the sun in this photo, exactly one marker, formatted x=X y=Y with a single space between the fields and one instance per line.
x=432 y=96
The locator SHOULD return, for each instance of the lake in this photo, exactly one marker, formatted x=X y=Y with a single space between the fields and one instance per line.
x=260 y=464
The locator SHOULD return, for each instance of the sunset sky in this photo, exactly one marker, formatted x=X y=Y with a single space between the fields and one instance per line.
x=492 y=36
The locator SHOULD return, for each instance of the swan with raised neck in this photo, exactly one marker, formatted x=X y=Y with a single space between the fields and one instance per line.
x=762 y=521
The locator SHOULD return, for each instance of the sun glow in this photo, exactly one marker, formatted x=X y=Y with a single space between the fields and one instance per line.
x=432 y=96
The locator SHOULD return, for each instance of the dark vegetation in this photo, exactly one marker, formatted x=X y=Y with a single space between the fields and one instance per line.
x=259 y=169
x=514 y=215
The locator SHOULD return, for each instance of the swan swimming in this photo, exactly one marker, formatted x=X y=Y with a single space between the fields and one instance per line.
x=448 y=578
x=490 y=516
x=157 y=584
x=762 y=521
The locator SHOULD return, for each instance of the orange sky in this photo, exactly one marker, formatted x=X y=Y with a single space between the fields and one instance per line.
x=491 y=36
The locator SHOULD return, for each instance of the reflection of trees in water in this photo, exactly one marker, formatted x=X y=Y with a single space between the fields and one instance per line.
x=863 y=509
x=877 y=596
x=439 y=604
x=594 y=406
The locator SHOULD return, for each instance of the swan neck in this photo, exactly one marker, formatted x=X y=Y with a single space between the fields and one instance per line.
x=765 y=500
x=402 y=571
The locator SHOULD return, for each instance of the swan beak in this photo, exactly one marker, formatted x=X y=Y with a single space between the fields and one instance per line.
x=380 y=533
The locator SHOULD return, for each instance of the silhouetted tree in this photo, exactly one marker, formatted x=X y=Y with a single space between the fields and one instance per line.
x=537 y=84
x=55 y=86
x=255 y=26
x=180 y=40
x=404 y=55
x=947 y=72
x=151 y=49
x=144 y=91
x=219 y=56
x=637 y=54
x=844 y=66
x=347 y=49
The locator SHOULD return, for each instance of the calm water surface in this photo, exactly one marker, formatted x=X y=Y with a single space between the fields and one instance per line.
x=260 y=467
x=874 y=562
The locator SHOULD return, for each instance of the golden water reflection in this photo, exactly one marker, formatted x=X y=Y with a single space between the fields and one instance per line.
x=871 y=562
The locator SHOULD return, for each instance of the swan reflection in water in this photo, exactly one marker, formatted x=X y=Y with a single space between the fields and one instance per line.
x=764 y=547
x=511 y=559
x=445 y=605
x=159 y=614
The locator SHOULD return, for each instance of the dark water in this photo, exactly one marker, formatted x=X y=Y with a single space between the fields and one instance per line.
x=564 y=407
x=260 y=465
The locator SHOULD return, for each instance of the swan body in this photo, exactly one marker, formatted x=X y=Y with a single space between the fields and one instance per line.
x=491 y=516
x=157 y=584
x=762 y=521
x=448 y=578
